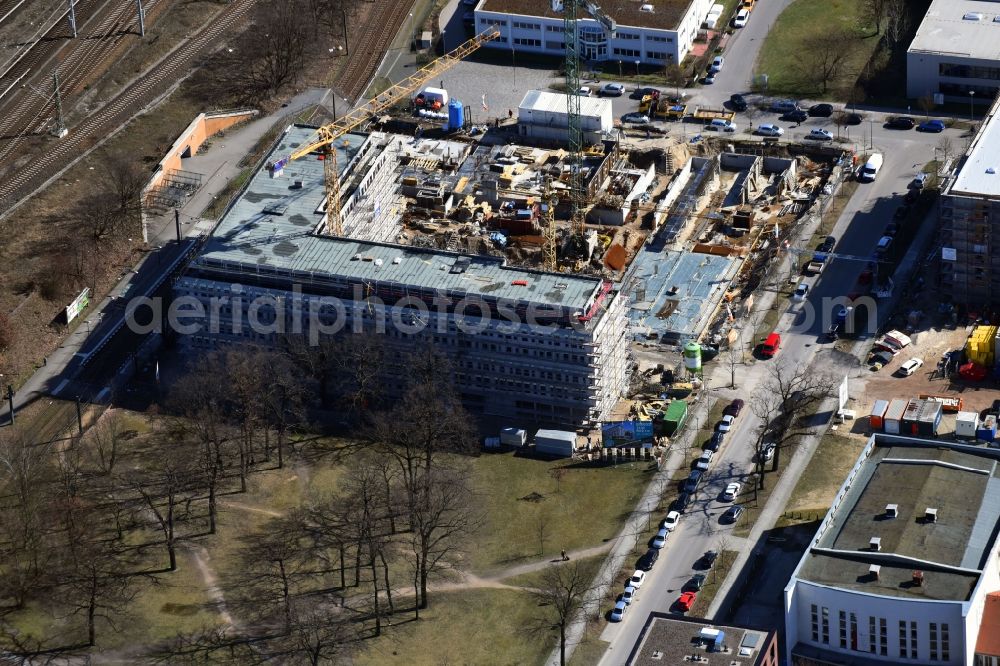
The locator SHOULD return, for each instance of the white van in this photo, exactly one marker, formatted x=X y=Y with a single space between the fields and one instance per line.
x=871 y=167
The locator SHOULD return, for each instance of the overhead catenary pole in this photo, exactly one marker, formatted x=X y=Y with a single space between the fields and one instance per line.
x=177 y=223
x=60 y=126
x=72 y=17
x=142 y=18
x=10 y=402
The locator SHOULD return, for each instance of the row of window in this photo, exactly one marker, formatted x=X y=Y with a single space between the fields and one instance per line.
x=527 y=26
x=968 y=71
x=525 y=41
x=627 y=53
x=878 y=635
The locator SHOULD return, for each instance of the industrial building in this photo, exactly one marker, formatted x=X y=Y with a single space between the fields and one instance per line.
x=955 y=55
x=527 y=344
x=649 y=32
x=902 y=565
x=675 y=639
x=543 y=115
x=970 y=219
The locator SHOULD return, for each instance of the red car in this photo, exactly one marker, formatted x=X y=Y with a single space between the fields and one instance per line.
x=686 y=600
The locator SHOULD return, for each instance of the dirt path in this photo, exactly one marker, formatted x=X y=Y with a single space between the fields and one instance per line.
x=530 y=567
x=246 y=507
x=201 y=558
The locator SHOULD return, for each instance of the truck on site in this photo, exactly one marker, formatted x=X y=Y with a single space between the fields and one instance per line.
x=817 y=263
x=707 y=114
x=431 y=98
x=871 y=168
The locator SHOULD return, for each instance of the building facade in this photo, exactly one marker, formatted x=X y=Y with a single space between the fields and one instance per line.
x=900 y=568
x=547 y=348
x=955 y=53
x=969 y=213
x=658 y=37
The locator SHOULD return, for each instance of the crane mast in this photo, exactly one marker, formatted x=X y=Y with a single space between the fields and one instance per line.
x=573 y=116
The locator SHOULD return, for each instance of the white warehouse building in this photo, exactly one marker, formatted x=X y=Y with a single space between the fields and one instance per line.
x=544 y=115
x=955 y=55
x=901 y=567
x=652 y=32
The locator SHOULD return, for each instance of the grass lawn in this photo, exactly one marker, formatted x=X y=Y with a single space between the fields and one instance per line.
x=821 y=478
x=589 y=566
x=482 y=626
x=584 y=508
x=789 y=55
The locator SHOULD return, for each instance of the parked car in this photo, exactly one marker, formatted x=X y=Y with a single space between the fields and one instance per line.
x=637 y=579
x=741 y=19
x=769 y=130
x=911 y=196
x=715 y=443
x=821 y=110
x=660 y=539
x=828 y=244
x=890 y=229
x=584 y=91
x=618 y=612
x=900 y=123
x=931 y=126
x=901 y=212
x=783 y=106
x=707 y=560
x=647 y=561
x=878 y=360
x=681 y=503
x=796 y=116
x=800 y=292
x=612 y=90
x=704 y=460
x=670 y=522
x=737 y=102
x=642 y=92
x=769 y=452
x=634 y=117
x=732 y=514
x=918 y=181
x=717 y=63
x=691 y=483
x=696 y=582
x=819 y=134
x=910 y=367
x=628 y=596
x=731 y=491
x=884 y=243
x=686 y=600
x=720 y=125
x=726 y=422
x=734 y=408
x=708 y=79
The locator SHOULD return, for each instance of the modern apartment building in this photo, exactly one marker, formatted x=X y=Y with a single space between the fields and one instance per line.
x=955 y=52
x=547 y=348
x=901 y=567
x=648 y=32
x=970 y=220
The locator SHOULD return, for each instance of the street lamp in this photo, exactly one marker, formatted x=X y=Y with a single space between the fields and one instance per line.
x=637 y=62
x=972 y=94
x=620 y=69
x=343 y=15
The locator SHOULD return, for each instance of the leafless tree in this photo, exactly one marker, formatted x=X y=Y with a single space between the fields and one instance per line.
x=674 y=76
x=170 y=476
x=824 y=56
x=272 y=562
x=873 y=14
x=319 y=635
x=541 y=529
x=318 y=361
x=897 y=19
x=7 y=333
x=750 y=113
x=105 y=437
x=360 y=365
x=560 y=594
x=124 y=179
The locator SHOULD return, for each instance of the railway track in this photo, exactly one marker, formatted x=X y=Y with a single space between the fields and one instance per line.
x=8 y=7
x=367 y=52
x=103 y=122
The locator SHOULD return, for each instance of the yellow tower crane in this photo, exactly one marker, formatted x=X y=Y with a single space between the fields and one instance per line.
x=325 y=136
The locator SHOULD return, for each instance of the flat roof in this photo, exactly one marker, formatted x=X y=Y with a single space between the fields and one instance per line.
x=270 y=229
x=666 y=14
x=543 y=100
x=667 y=639
x=965 y=489
x=944 y=29
x=979 y=173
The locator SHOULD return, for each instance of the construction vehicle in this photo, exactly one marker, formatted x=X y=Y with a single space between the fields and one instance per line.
x=325 y=136
x=706 y=114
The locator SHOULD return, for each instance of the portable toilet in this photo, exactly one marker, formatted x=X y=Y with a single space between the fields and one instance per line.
x=456 y=116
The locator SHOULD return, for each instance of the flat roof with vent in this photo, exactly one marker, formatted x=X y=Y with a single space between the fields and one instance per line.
x=657 y=14
x=672 y=639
x=979 y=173
x=860 y=548
x=963 y=28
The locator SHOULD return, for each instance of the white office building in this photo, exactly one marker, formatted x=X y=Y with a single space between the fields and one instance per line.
x=901 y=567
x=545 y=348
x=955 y=55
x=544 y=115
x=651 y=32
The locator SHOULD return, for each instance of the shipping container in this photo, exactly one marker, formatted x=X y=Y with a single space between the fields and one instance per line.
x=513 y=437
x=555 y=442
x=966 y=424
x=928 y=418
x=674 y=417
x=877 y=414
x=893 y=418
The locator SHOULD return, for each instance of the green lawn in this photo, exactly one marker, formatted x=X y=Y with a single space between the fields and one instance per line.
x=821 y=478
x=483 y=626
x=585 y=508
x=589 y=566
x=789 y=56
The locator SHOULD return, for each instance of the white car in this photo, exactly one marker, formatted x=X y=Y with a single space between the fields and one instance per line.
x=584 y=91
x=726 y=423
x=732 y=490
x=769 y=130
x=628 y=596
x=612 y=90
x=660 y=540
x=820 y=135
x=741 y=19
x=910 y=367
x=640 y=118
x=768 y=452
x=717 y=64
x=670 y=522
x=619 y=611
x=801 y=292
x=705 y=459
x=637 y=579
